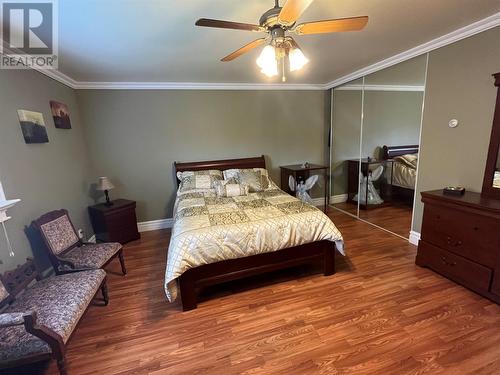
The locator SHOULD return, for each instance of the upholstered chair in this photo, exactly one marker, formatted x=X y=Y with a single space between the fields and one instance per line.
x=66 y=250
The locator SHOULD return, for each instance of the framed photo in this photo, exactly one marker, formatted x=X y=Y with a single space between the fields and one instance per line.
x=33 y=126
x=60 y=114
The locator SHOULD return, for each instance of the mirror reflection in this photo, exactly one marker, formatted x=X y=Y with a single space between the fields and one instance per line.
x=376 y=132
x=346 y=138
x=496 y=176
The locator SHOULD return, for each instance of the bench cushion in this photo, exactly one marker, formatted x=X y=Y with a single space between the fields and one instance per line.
x=92 y=255
x=3 y=292
x=59 y=302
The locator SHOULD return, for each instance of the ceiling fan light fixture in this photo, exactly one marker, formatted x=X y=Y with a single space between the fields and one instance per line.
x=297 y=59
x=267 y=61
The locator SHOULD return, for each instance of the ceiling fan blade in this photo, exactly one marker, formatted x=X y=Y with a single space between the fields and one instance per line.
x=332 y=26
x=292 y=10
x=207 y=22
x=250 y=46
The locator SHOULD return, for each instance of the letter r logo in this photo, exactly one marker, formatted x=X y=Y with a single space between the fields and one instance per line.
x=28 y=27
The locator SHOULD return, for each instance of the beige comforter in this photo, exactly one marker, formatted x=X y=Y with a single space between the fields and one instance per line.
x=404 y=171
x=208 y=229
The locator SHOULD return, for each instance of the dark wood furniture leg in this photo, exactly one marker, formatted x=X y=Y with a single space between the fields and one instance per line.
x=104 y=290
x=329 y=261
x=50 y=337
x=122 y=262
x=189 y=293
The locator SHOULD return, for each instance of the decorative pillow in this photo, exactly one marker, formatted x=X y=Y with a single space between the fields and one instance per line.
x=3 y=292
x=230 y=188
x=257 y=179
x=196 y=180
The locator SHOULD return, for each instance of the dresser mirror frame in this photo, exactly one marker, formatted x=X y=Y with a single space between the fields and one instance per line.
x=491 y=163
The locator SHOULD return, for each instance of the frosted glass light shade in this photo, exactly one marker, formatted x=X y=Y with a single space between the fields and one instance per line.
x=297 y=59
x=104 y=184
x=267 y=61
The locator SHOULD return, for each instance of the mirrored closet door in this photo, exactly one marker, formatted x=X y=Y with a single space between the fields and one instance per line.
x=347 y=106
x=376 y=123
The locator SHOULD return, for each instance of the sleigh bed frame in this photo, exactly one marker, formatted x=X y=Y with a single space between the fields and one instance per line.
x=194 y=279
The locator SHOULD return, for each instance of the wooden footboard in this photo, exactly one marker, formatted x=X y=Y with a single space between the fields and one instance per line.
x=193 y=280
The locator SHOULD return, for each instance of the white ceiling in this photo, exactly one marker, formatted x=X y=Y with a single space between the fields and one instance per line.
x=156 y=40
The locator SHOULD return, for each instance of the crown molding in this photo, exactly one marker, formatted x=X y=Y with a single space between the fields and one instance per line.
x=381 y=88
x=459 y=34
x=59 y=77
x=192 y=86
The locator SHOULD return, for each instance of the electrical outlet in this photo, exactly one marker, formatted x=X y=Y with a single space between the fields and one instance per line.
x=80 y=233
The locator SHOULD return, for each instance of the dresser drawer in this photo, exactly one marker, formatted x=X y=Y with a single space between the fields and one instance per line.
x=471 y=236
x=455 y=267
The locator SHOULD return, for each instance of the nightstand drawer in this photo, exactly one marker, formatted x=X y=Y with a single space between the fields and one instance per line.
x=454 y=266
x=471 y=236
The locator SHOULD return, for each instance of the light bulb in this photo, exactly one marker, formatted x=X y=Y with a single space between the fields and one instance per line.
x=267 y=61
x=297 y=59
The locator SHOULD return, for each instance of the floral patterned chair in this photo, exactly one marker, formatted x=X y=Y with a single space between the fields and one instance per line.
x=66 y=250
x=35 y=325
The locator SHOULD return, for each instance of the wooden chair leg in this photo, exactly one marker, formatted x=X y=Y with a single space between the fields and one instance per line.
x=61 y=365
x=104 y=290
x=122 y=262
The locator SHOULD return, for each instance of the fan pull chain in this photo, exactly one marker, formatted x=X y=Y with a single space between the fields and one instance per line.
x=9 y=245
x=283 y=76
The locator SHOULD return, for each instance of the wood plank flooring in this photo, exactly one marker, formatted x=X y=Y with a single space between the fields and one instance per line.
x=395 y=217
x=379 y=314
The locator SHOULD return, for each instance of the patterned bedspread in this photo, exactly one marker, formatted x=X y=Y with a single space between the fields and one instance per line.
x=208 y=229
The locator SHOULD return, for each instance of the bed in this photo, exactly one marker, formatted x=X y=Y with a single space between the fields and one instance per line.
x=404 y=168
x=216 y=240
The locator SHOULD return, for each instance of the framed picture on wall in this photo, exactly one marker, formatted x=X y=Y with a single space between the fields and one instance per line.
x=60 y=114
x=32 y=126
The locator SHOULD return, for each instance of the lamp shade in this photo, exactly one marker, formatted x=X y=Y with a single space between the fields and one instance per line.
x=104 y=184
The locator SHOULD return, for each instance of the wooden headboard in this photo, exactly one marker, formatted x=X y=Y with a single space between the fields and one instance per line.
x=390 y=152
x=258 y=162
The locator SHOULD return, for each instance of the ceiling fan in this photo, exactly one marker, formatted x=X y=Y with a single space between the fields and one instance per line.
x=277 y=22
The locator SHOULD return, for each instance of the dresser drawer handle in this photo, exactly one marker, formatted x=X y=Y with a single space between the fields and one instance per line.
x=458 y=243
x=447 y=263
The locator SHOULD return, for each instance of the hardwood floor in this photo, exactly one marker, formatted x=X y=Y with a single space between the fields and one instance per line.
x=379 y=314
x=395 y=217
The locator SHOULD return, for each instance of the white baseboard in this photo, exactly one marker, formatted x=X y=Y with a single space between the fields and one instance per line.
x=414 y=238
x=341 y=198
x=318 y=201
x=146 y=226
x=333 y=199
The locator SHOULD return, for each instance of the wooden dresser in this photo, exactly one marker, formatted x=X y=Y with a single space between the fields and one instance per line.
x=460 y=239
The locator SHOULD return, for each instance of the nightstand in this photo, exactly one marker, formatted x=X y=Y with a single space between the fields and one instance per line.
x=302 y=174
x=116 y=223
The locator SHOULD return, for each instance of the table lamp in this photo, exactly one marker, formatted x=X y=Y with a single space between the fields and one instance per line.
x=104 y=184
x=4 y=205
